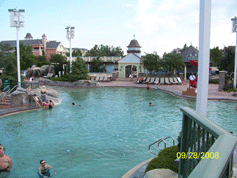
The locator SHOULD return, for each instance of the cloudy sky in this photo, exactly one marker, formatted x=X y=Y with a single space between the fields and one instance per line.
x=158 y=26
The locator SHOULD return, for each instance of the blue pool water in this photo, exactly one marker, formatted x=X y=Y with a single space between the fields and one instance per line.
x=104 y=137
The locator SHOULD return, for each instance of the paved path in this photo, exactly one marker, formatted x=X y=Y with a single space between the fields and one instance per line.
x=213 y=92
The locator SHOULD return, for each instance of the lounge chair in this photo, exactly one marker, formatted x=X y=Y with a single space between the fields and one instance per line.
x=101 y=79
x=152 y=80
x=167 y=81
x=143 y=79
x=148 y=80
x=156 y=81
x=172 y=81
x=106 y=79
x=162 y=81
x=175 y=80
x=179 y=80
x=97 y=78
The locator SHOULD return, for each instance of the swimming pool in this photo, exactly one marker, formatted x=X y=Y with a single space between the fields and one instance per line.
x=104 y=137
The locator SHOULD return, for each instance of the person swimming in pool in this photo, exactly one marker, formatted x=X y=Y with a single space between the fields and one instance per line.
x=5 y=161
x=51 y=104
x=44 y=170
x=75 y=104
x=150 y=104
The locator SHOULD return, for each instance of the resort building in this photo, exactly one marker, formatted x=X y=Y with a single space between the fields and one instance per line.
x=40 y=45
x=132 y=62
x=189 y=54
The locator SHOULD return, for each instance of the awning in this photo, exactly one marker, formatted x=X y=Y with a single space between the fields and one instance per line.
x=195 y=63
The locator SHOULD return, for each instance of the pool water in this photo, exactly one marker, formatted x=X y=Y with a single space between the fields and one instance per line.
x=107 y=135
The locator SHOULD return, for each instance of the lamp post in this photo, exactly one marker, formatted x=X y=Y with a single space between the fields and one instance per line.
x=17 y=20
x=234 y=29
x=70 y=35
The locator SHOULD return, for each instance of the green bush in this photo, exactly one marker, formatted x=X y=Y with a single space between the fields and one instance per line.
x=165 y=160
x=39 y=64
x=66 y=78
x=214 y=81
x=229 y=89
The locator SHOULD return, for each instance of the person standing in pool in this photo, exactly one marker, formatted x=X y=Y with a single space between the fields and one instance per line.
x=43 y=94
x=44 y=170
x=5 y=162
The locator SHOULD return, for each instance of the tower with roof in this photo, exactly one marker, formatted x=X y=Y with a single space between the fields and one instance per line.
x=132 y=63
x=134 y=47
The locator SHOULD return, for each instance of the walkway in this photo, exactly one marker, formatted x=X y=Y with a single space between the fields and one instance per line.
x=213 y=92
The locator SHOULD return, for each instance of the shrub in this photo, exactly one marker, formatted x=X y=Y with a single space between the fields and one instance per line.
x=214 y=81
x=39 y=64
x=165 y=160
x=64 y=78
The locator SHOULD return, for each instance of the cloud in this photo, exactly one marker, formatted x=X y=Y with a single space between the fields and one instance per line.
x=143 y=5
x=126 y=5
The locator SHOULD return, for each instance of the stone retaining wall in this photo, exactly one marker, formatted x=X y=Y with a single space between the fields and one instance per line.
x=79 y=83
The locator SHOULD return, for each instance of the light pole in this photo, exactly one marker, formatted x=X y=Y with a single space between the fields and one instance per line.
x=17 y=20
x=70 y=35
x=234 y=29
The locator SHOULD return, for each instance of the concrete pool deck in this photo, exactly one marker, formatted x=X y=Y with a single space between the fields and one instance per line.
x=213 y=92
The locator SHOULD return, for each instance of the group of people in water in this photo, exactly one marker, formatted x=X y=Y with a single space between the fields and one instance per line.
x=6 y=165
x=43 y=100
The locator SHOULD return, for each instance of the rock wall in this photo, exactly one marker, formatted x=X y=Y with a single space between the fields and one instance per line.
x=40 y=71
x=79 y=83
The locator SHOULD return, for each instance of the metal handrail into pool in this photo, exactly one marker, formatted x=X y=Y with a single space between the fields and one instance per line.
x=165 y=139
x=160 y=140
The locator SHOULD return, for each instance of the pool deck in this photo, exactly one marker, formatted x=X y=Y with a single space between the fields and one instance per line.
x=213 y=92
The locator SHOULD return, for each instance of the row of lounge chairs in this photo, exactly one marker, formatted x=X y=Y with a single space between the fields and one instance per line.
x=152 y=80
x=102 y=79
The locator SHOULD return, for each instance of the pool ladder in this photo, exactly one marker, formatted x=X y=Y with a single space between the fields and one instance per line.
x=158 y=144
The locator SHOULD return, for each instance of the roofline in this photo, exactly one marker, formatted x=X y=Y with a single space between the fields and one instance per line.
x=131 y=62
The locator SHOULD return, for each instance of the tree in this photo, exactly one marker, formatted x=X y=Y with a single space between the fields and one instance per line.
x=4 y=50
x=41 y=60
x=152 y=62
x=97 y=65
x=180 y=50
x=79 y=70
x=104 y=51
x=173 y=61
x=27 y=58
x=75 y=53
x=58 y=60
x=10 y=69
x=227 y=61
x=216 y=55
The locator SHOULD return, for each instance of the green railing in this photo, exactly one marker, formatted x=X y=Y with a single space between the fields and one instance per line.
x=206 y=149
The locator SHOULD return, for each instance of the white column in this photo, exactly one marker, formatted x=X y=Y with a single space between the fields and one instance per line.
x=185 y=72
x=235 y=69
x=203 y=56
x=70 y=55
x=18 y=58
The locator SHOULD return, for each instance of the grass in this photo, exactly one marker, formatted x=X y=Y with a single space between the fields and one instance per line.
x=165 y=160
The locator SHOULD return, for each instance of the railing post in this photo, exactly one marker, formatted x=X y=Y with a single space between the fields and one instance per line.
x=183 y=145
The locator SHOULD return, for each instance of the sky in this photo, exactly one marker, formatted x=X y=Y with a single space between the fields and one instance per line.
x=158 y=26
